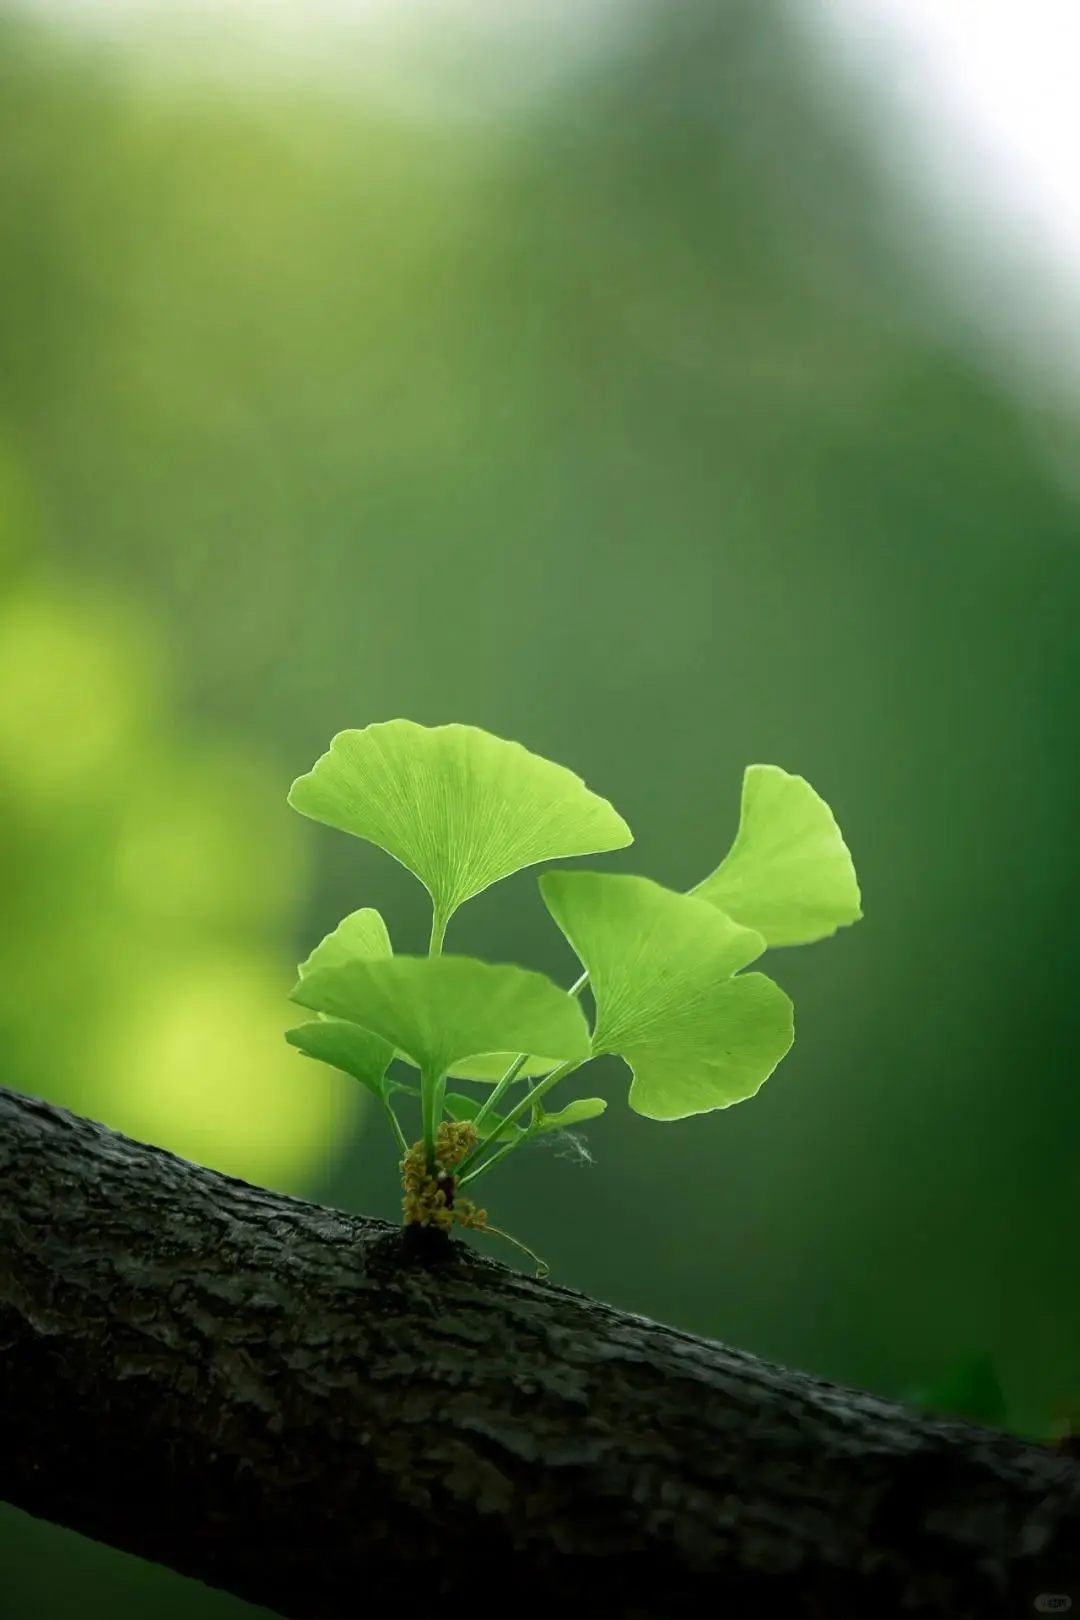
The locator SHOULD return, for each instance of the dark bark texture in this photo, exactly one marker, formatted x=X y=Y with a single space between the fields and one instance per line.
x=289 y=1403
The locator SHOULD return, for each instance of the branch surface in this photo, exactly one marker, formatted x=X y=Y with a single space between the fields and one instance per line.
x=282 y=1401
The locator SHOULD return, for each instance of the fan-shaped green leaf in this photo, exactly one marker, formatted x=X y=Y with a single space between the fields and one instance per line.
x=660 y=965
x=345 y=1046
x=362 y=934
x=789 y=874
x=440 y=1010
x=575 y=1113
x=460 y=808
x=495 y=1127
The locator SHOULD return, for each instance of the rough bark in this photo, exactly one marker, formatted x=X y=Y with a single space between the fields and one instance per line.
x=281 y=1401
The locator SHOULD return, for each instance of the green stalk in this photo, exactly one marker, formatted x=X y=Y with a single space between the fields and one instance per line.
x=395 y=1124
x=515 y=1069
x=438 y=930
x=530 y=1099
x=507 y=1147
x=433 y=1087
x=429 y=1087
x=500 y=1091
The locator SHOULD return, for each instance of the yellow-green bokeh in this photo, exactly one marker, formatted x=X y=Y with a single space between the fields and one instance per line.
x=152 y=880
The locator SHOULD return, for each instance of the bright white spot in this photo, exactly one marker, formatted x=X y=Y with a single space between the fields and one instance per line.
x=431 y=58
x=979 y=100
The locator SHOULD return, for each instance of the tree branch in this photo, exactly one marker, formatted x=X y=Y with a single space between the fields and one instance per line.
x=281 y=1401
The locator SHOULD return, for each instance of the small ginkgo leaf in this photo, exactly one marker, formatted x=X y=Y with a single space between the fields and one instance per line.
x=575 y=1113
x=457 y=806
x=789 y=874
x=362 y=934
x=661 y=969
x=346 y=1047
x=442 y=1009
x=494 y=1128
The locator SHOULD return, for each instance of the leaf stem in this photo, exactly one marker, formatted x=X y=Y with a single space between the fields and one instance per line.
x=489 y=1107
x=433 y=1087
x=530 y=1099
x=438 y=930
x=395 y=1124
x=508 y=1147
x=429 y=1088
x=515 y=1069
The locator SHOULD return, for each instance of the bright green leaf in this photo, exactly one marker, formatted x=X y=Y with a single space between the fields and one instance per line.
x=575 y=1113
x=345 y=1046
x=495 y=1127
x=789 y=874
x=361 y=934
x=460 y=808
x=660 y=967
x=440 y=1010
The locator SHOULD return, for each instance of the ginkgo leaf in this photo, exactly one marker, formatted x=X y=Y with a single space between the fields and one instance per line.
x=494 y=1128
x=457 y=806
x=575 y=1113
x=362 y=934
x=347 y=1047
x=789 y=874
x=440 y=1010
x=661 y=969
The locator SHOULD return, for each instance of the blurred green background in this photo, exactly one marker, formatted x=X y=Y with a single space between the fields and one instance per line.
x=626 y=422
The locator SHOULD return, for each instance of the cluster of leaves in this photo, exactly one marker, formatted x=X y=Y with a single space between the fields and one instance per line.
x=461 y=809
